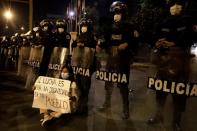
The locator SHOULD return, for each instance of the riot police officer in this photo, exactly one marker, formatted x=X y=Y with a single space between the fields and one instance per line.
x=173 y=39
x=4 y=50
x=62 y=37
x=119 y=39
x=46 y=39
x=10 y=58
x=60 y=54
x=24 y=53
x=83 y=58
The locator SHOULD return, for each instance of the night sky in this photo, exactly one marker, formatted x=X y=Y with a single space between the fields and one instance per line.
x=45 y=8
x=41 y=9
x=49 y=8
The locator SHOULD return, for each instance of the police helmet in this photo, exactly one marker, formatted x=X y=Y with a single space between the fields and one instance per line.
x=13 y=38
x=60 y=23
x=17 y=34
x=118 y=7
x=85 y=22
x=29 y=34
x=36 y=29
x=179 y=2
x=46 y=23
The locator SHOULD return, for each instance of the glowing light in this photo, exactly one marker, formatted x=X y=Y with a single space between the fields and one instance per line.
x=8 y=14
x=71 y=13
x=22 y=28
x=194 y=49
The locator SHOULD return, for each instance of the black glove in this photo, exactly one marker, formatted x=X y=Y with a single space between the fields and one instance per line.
x=73 y=98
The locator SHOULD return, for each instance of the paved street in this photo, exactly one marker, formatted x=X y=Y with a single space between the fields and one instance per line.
x=16 y=113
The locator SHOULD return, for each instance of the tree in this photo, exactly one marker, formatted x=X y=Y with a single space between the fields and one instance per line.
x=148 y=16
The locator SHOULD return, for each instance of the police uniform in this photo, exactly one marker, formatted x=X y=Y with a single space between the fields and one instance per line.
x=62 y=39
x=118 y=60
x=47 y=39
x=60 y=54
x=83 y=58
x=4 y=50
x=173 y=63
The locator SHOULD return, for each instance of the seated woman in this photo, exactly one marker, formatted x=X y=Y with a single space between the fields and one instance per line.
x=66 y=74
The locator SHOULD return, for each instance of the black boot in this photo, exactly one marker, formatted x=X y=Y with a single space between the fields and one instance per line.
x=177 y=127
x=125 y=115
x=160 y=102
x=176 y=121
x=105 y=106
x=108 y=93
x=158 y=118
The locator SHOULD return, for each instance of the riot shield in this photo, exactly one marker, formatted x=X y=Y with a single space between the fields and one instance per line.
x=82 y=60
x=4 y=52
x=76 y=56
x=172 y=63
x=173 y=69
x=35 y=58
x=23 y=67
x=88 y=57
x=113 y=65
x=58 y=60
x=16 y=56
x=10 y=63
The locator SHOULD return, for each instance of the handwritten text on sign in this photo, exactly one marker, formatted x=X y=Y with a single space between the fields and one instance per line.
x=52 y=93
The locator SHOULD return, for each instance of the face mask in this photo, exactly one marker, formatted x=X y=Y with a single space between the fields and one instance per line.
x=64 y=75
x=60 y=30
x=37 y=34
x=45 y=28
x=35 y=29
x=4 y=38
x=28 y=37
x=175 y=9
x=117 y=17
x=84 y=29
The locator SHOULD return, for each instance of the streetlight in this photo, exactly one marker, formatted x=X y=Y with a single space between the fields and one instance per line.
x=71 y=14
x=8 y=15
x=22 y=28
x=71 y=17
x=30 y=3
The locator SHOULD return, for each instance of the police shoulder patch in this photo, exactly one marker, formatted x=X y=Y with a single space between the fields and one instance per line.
x=165 y=29
x=195 y=28
x=116 y=37
x=181 y=28
x=67 y=36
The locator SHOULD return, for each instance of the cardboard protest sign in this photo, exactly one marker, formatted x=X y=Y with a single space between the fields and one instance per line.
x=52 y=93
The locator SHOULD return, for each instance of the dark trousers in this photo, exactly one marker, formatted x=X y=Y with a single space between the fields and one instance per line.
x=83 y=84
x=179 y=104
x=124 y=91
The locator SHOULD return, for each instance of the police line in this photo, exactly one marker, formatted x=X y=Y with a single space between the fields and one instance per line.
x=180 y=88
